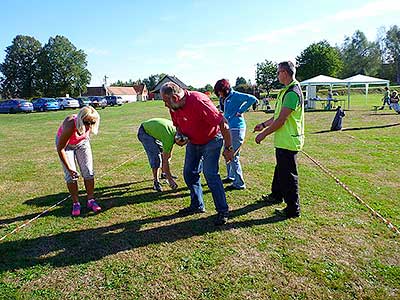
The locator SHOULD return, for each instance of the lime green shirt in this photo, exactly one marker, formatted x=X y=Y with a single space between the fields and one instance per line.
x=162 y=130
x=291 y=135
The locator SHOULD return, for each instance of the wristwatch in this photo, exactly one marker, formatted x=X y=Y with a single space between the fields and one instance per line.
x=229 y=148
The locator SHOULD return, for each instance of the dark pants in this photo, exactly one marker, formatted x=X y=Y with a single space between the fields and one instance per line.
x=285 y=184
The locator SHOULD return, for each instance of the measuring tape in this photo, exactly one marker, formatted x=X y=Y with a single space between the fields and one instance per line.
x=375 y=213
x=58 y=203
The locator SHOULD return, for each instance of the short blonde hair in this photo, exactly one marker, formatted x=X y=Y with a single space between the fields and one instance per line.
x=87 y=111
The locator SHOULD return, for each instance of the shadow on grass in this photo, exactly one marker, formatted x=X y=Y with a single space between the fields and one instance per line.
x=82 y=246
x=110 y=196
x=359 y=128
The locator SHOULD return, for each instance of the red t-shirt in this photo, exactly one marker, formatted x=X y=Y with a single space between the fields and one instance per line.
x=198 y=119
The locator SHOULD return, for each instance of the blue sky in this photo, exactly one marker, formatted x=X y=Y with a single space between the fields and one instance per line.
x=197 y=41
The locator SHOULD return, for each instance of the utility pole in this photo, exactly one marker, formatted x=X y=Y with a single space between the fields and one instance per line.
x=105 y=80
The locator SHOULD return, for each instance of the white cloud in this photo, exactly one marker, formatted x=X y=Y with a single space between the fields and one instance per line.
x=372 y=9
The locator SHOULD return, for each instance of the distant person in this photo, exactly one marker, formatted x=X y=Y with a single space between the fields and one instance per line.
x=196 y=117
x=255 y=105
x=329 y=98
x=386 y=99
x=235 y=105
x=72 y=142
x=394 y=101
x=157 y=136
x=287 y=124
x=338 y=119
x=330 y=95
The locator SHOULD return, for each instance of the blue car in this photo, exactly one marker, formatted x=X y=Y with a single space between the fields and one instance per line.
x=45 y=104
x=13 y=106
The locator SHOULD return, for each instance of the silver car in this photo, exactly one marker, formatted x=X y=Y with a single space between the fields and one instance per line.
x=66 y=102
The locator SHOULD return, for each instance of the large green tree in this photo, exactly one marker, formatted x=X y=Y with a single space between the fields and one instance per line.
x=63 y=68
x=152 y=81
x=392 y=49
x=266 y=75
x=240 y=80
x=319 y=58
x=20 y=68
x=360 y=56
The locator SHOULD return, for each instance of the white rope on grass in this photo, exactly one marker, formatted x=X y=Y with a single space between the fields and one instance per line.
x=24 y=224
x=374 y=213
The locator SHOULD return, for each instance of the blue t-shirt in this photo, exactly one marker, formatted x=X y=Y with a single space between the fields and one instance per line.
x=234 y=103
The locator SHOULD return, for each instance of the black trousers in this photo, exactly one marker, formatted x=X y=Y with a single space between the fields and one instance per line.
x=285 y=184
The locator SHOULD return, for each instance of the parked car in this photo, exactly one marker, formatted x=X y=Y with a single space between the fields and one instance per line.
x=83 y=101
x=98 y=101
x=44 y=104
x=66 y=102
x=114 y=100
x=16 y=105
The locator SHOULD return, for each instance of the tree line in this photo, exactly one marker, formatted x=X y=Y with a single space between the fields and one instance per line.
x=356 y=55
x=32 y=70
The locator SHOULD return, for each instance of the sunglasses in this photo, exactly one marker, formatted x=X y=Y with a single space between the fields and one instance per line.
x=89 y=122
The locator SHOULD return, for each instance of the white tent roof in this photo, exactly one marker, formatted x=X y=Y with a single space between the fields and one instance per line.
x=362 y=79
x=323 y=80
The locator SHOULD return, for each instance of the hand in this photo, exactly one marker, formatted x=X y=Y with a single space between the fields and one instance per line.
x=259 y=127
x=228 y=155
x=260 y=137
x=74 y=174
x=238 y=114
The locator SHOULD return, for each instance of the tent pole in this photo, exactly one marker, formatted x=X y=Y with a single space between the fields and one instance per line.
x=348 y=96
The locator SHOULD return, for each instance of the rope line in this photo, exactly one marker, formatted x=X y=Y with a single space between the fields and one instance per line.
x=374 y=213
x=24 y=224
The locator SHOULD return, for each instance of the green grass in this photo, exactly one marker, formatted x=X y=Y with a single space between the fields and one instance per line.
x=138 y=248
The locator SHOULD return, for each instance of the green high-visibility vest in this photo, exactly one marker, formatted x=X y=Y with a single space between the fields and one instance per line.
x=291 y=135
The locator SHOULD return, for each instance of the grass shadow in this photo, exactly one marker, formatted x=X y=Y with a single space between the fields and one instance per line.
x=109 y=197
x=82 y=246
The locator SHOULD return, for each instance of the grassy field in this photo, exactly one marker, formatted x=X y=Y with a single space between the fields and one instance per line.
x=139 y=248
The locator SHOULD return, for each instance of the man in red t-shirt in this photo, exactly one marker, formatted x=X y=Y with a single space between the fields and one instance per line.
x=195 y=116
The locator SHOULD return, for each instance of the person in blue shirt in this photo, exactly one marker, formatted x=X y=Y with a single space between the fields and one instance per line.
x=234 y=104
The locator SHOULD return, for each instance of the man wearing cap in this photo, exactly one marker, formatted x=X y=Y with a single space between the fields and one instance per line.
x=287 y=124
x=234 y=105
x=157 y=136
x=196 y=117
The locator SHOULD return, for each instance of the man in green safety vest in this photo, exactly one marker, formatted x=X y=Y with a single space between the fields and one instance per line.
x=288 y=126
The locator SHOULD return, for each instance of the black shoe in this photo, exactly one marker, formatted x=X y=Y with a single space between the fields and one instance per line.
x=163 y=176
x=227 y=180
x=232 y=188
x=191 y=211
x=283 y=212
x=270 y=199
x=157 y=186
x=222 y=218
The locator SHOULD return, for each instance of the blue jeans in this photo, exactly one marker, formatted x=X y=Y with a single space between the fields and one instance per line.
x=205 y=158
x=234 y=169
x=152 y=147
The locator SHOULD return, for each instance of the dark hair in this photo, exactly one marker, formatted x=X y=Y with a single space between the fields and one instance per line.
x=288 y=66
x=223 y=86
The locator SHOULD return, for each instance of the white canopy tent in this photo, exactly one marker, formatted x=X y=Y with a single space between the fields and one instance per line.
x=354 y=80
x=363 y=80
x=320 y=80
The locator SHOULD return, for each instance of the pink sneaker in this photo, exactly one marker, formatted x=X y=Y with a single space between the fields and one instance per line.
x=76 y=209
x=91 y=204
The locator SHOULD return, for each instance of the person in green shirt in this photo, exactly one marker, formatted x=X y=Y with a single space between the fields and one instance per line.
x=158 y=137
x=287 y=124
